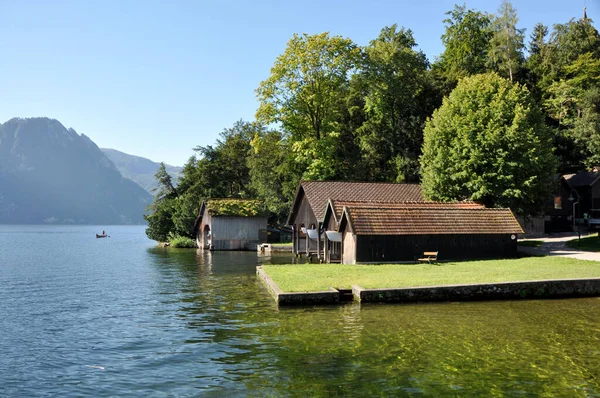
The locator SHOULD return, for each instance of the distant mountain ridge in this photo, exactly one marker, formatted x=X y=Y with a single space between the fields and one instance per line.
x=51 y=174
x=138 y=169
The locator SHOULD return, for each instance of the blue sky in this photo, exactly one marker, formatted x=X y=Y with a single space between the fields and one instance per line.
x=157 y=78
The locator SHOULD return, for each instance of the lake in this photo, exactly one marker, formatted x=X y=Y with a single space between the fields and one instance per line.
x=119 y=316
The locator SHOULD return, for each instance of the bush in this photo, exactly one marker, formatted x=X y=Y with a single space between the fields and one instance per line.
x=182 y=242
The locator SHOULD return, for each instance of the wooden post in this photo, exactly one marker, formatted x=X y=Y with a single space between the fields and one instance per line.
x=318 y=241
x=325 y=249
x=306 y=239
x=294 y=239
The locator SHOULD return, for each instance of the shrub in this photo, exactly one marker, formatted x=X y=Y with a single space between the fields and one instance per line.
x=182 y=242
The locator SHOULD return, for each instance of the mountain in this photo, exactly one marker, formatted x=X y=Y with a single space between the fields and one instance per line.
x=139 y=170
x=50 y=174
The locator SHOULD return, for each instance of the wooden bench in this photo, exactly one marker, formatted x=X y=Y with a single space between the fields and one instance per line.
x=428 y=257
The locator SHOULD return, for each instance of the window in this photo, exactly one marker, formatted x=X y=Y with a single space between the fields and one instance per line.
x=557 y=202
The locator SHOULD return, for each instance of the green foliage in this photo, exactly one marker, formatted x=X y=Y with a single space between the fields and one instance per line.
x=466 y=41
x=488 y=143
x=235 y=207
x=159 y=219
x=273 y=175
x=165 y=188
x=506 y=45
x=185 y=212
x=182 y=242
x=330 y=110
x=395 y=78
x=303 y=91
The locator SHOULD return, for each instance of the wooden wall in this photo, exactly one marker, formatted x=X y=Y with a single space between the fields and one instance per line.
x=348 y=248
x=231 y=233
x=451 y=247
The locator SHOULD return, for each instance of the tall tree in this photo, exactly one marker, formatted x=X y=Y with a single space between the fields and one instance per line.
x=569 y=93
x=395 y=77
x=303 y=90
x=304 y=94
x=160 y=212
x=488 y=143
x=506 y=45
x=466 y=43
x=272 y=173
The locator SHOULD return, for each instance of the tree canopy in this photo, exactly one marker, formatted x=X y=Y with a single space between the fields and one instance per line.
x=330 y=109
x=488 y=143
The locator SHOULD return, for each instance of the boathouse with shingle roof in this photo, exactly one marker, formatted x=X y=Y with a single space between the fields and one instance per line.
x=375 y=232
x=308 y=208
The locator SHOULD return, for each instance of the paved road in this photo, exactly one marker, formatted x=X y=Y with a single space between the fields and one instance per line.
x=554 y=245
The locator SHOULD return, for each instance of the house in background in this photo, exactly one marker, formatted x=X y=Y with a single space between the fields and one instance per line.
x=372 y=232
x=308 y=208
x=229 y=224
x=584 y=197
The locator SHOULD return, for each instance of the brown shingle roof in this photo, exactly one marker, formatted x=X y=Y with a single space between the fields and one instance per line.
x=338 y=205
x=318 y=192
x=430 y=219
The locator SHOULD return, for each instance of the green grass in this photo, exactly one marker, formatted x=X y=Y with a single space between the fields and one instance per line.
x=315 y=277
x=531 y=243
x=590 y=244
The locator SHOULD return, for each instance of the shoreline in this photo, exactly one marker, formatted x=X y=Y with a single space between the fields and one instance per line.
x=516 y=290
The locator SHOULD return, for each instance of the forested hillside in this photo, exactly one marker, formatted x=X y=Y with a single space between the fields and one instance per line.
x=492 y=119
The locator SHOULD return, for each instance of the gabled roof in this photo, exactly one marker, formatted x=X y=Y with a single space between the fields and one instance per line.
x=319 y=192
x=429 y=219
x=582 y=178
x=338 y=205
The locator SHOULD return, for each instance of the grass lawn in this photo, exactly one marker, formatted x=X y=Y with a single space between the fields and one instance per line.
x=590 y=244
x=314 y=277
x=531 y=243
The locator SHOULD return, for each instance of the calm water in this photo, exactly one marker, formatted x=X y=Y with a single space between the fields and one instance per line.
x=118 y=316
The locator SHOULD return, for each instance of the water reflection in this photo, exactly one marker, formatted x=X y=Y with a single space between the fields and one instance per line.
x=238 y=340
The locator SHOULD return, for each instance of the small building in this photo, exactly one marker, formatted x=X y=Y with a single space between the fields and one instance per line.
x=229 y=224
x=308 y=208
x=584 y=198
x=375 y=232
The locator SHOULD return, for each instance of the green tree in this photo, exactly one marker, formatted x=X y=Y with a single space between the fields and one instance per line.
x=395 y=78
x=506 y=45
x=305 y=95
x=272 y=173
x=488 y=143
x=466 y=43
x=160 y=212
x=303 y=91
x=222 y=169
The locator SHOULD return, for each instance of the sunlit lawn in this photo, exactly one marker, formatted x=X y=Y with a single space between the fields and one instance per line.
x=314 y=277
x=590 y=244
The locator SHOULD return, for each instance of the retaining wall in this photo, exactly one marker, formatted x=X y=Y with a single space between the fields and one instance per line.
x=491 y=291
x=331 y=296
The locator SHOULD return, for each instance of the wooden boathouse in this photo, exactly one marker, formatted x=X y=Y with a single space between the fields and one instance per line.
x=375 y=232
x=308 y=208
x=229 y=224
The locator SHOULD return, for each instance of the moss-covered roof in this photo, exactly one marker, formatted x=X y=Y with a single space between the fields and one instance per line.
x=235 y=208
